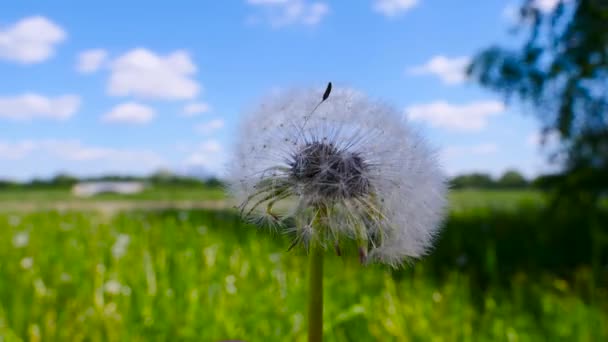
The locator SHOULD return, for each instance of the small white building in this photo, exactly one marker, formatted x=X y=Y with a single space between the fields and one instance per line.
x=88 y=189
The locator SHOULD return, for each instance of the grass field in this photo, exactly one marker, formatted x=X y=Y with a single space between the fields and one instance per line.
x=498 y=199
x=200 y=275
x=459 y=200
x=150 y=194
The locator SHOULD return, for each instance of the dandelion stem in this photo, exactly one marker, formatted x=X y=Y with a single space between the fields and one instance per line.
x=315 y=296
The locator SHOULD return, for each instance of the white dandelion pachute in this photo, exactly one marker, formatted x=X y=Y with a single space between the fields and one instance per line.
x=347 y=164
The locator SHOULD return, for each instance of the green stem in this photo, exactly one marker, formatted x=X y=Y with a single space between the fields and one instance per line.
x=315 y=296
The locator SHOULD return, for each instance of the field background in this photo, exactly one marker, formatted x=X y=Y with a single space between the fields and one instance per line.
x=178 y=264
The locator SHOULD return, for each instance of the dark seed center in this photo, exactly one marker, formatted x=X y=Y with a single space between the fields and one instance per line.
x=329 y=172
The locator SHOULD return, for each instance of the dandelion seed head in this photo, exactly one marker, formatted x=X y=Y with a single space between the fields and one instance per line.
x=65 y=277
x=14 y=220
x=27 y=263
x=119 y=248
x=21 y=239
x=325 y=172
x=351 y=162
x=112 y=287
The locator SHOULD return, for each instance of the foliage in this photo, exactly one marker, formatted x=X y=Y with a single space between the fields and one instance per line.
x=511 y=179
x=5 y=184
x=561 y=71
x=59 y=181
x=158 y=179
x=495 y=199
x=203 y=275
x=493 y=245
x=473 y=180
x=166 y=178
x=20 y=195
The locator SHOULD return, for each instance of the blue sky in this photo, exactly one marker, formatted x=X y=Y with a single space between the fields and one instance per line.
x=131 y=87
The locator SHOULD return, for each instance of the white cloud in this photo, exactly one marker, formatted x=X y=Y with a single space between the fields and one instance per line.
x=281 y=13
x=75 y=157
x=33 y=106
x=209 y=155
x=478 y=157
x=30 y=40
x=449 y=70
x=91 y=60
x=143 y=73
x=195 y=108
x=453 y=152
x=535 y=139
x=547 y=6
x=468 y=117
x=210 y=126
x=392 y=8
x=551 y=140
x=16 y=150
x=511 y=11
x=74 y=150
x=211 y=146
x=130 y=112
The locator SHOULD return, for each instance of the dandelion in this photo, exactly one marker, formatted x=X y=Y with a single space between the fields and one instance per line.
x=112 y=287
x=65 y=277
x=14 y=220
x=40 y=288
x=21 y=239
x=26 y=263
x=120 y=246
x=352 y=167
x=336 y=170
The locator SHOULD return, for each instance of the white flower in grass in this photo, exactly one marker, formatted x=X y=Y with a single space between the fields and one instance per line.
x=65 y=277
x=26 y=263
x=21 y=239
x=349 y=165
x=14 y=220
x=120 y=246
x=112 y=287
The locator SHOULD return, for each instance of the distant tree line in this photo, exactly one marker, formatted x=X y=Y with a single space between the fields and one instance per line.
x=511 y=179
x=160 y=178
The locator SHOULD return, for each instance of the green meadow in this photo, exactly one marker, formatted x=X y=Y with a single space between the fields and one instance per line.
x=502 y=270
x=156 y=193
x=459 y=199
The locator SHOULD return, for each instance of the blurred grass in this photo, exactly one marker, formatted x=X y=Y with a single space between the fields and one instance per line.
x=204 y=276
x=494 y=199
x=459 y=199
x=158 y=193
